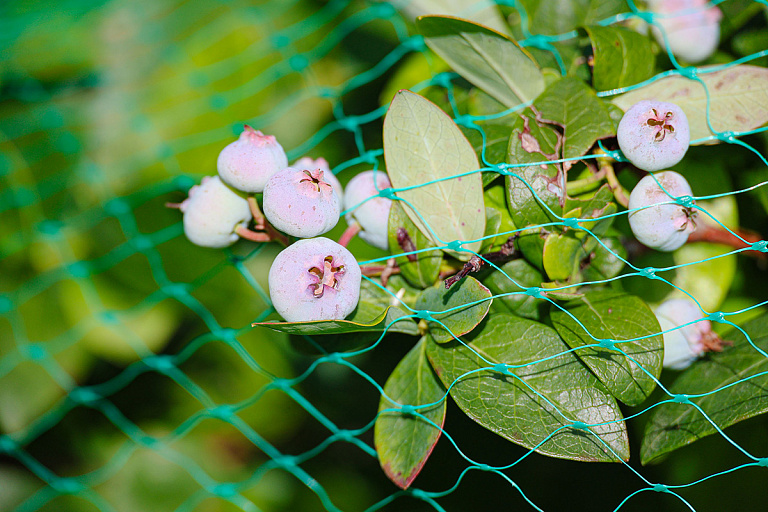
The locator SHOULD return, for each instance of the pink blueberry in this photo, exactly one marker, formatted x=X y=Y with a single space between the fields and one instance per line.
x=301 y=203
x=654 y=135
x=373 y=214
x=692 y=28
x=212 y=212
x=247 y=163
x=306 y=163
x=686 y=343
x=665 y=227
x=314 y=279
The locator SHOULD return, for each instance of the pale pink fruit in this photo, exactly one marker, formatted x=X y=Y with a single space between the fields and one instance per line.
x=314 y=279
x=301 y=203
x=212 y=212
x=373 y=214
x=248 y=163
x=692 y=28
x=654 y=135
x=306 y=163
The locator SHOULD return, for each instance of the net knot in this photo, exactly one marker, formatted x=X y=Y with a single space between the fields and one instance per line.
x=761 y=246
x=67 y=486
x=344 y=435
x=646 y=16
x=649 y=272
x=763 y=462
x=383 y=10
x=116 y=207
x=572 y=222
x=727 y=136
x=464 y=120
x=79 y=269
x=689 y=72
x=388 y=193
x=223 y=490
x=415 y=43
x=501 y=368
x=580 y=425
x=183 y=183
x=7 y=445
x=334 y=358
x=222 y=412
x=298 y=62
x=418 y=493
x=84 y=396
x=455 y=245
x=660 y=488
x=161 y=364
x=423 y=314
x=280 y=41
x=176 y=290
x=225 y=334
x=534 y=291
x=6 y=305
x=141 y=243
x=537 y=41
x=717 y=316
x=34 y=351
x=407 y=409
x=349 y=123
x=442 y=80
x=485 y=467
x=685 y=201
x=609 y=344
x=682 y=399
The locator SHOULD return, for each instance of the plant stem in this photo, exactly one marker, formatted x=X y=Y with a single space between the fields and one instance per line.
x=721 y=236
x=588 y=184
x=619 y=192
x=349 y=234
x=258 y=217
x=246 y=233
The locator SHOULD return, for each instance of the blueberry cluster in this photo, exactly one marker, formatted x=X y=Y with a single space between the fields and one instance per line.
x=314 y=278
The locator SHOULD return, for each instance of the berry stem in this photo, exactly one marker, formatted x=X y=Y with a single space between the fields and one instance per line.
x=377 y=270
x=349 y=234
x=258 y=217
x=585 y=185
x=619 y=192
x=173 y=205
x=246 y=233
x=739 y=240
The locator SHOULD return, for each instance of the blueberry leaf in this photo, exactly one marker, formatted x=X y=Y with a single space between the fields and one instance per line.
x=424 y=149
x=585 y=118
x=617 y=316
x=622 y=57
x=509 y=284
x=555 y=17
x=733 y=383
x=421 y=269
x=738 y=99
x=468 y=301
x=545 y=391
x=486 y=58
x=405 y=441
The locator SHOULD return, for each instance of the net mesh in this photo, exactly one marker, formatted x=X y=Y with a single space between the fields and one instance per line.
x=130 y=378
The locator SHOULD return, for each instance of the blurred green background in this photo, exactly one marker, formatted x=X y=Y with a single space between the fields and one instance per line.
x=130 y=379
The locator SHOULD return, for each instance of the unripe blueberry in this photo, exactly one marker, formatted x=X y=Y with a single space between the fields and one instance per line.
x=314 y=279
x=301 y=203
x=654 y=135
x=665 y=226
x=212 y=212
x=684 y=345
x=373 y=214
x=692 y=36
x=247 y=163
x=306 y=163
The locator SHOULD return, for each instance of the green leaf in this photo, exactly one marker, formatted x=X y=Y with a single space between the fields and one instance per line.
x=622 y=57
x=317 y=327
x=731 y=395
x=616 y=316
x=515 y=276
x=562 y=256
x=486 y=58
x=604 y=263
x=485 y=12
x=531 y=143
x=584 y=116
x=494 y=145
x=545 y=392
x=424 y=270
x=555 y=17
x=498 y=219
x=460 y=295
x=738 y=99
x=421 y=145
x=405 y=441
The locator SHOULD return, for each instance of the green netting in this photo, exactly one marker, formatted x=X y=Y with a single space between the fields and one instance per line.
x=130 y=375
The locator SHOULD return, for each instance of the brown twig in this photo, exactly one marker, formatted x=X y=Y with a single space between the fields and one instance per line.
x=406 y=244
x=706 y=233
x=475 y=263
